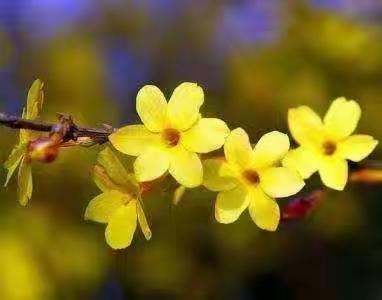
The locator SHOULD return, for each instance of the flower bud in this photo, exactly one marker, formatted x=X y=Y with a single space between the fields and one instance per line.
x=43 y=149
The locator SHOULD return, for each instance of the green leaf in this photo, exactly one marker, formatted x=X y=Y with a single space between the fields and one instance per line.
x=25 y=135
x=14 y=160
x=25 y=183
x=35 y=100
x=143 y=221
x=178 y=194
x=116 y=171
x=102 y=180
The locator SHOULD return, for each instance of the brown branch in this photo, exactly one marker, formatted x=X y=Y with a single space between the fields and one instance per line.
x=19 y=123
x=72 y=132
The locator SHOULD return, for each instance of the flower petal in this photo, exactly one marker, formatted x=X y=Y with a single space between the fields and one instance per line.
x=102 y=207
x=264 y=210
x=184 y=105
x=280 y=182
x=121 y=227
x=270 y=149
x=342 y=118
x=305 y=125
x=218 y=176
x=334 y=172
x=302 y=161
x=237 y=148
x=186 y=167
x=207 y=135
x=357 y=147
x=152 y=108
x=230 y=204
x=25 y=182
x=151 y=164
x=143 y=222
x=133 y=139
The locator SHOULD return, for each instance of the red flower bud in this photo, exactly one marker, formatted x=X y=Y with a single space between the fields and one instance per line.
x=43 y=149
x=301 y=207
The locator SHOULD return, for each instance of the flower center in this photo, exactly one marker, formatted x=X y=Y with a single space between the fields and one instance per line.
x=329 y=148
x=171 y=136
x=251 y=176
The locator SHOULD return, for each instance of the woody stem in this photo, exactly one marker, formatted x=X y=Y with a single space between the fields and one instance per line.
x=96 y=135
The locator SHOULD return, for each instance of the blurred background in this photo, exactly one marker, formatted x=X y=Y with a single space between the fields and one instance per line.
x=254 y=59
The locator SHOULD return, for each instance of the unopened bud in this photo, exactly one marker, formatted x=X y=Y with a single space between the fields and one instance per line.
x=43 y=149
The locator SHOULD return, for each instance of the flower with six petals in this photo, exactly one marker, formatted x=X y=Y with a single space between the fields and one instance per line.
x=325 y=146
x=119 y=205
x=172 y=135
x=251 y=178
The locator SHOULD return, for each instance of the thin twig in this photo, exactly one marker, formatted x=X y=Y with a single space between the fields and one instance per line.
x=19 y=123
x=74 y=132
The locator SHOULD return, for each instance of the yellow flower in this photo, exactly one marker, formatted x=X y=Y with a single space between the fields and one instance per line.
x=250 y=178
x=172 y=135
x=326 y=145
x=18 y=156
x=119 y=205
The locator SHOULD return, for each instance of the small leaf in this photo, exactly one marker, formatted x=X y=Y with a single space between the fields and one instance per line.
x=116 y=171
x=102 y=180
x=14 y=160
x=35 y=100
x=143 y=221
x=25 y=135
x=25 y=183
x=178 y=194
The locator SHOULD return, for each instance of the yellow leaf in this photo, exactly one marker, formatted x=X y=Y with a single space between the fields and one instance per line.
x=14 y=160
x=35 y=100
x=143 y=221
x=116 y=171
x=178 y=194
x=25 y=183
x=102 y=180
x=25 y=135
